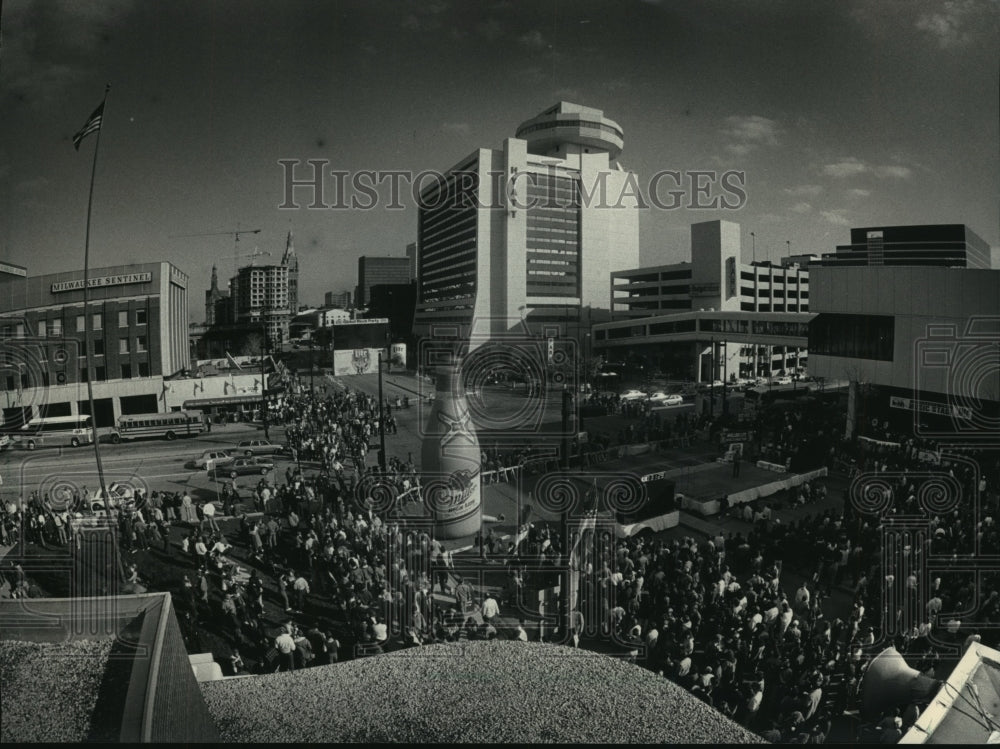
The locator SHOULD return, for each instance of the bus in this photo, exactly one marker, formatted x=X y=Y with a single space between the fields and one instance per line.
x=54 y=430
x=169 y=426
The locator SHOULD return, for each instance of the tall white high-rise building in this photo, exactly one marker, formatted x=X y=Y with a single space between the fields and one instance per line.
x=528 y=232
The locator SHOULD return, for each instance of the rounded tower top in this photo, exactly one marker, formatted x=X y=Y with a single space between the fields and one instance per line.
x=571 y=127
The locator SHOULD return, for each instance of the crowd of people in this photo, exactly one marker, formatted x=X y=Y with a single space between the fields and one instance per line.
x=720 y=617
x=339 y=567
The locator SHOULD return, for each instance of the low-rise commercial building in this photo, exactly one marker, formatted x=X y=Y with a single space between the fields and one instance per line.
x=705 y=346
x=920 y=345
x=712 y=317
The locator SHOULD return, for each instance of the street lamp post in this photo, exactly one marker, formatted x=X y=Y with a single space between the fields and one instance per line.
x=711 y=379
x=753 y=237
x=263 y=380
x=770 y=368
x=725 y=375
x=381 y=418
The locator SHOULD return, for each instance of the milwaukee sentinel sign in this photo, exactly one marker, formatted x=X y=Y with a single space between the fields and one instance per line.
x=121 y=280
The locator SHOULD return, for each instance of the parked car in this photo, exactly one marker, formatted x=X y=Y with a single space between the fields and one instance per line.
x=259 y=447
x=4 y=441
x=120 y=494
x=211 y=458
x=633 y=395
x=783 y=380
x=660 y=398
x=244 y=466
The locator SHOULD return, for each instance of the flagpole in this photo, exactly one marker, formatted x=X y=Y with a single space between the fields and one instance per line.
x=86 y=317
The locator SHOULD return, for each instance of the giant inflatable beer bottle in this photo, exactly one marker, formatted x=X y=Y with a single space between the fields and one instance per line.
x=450 y=458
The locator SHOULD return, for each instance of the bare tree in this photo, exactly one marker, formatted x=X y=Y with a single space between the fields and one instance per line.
x=253 y=344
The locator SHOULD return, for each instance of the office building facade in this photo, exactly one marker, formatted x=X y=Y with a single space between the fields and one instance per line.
x=704 y=346
x=714 y=280
x=411 y=253
x=337 y=299
x=395 y=302
x=374 y=270
x=266 y=297
x=138 y=316
x=526 y=234
x=945 y=245
x=261 y=297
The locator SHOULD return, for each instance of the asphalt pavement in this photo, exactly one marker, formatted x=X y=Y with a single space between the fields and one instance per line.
x=149 y=464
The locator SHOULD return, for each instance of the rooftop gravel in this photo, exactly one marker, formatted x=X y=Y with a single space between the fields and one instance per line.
x=491 y=691
x=48 y=691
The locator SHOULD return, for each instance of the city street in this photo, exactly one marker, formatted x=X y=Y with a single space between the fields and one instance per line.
x=148 y=464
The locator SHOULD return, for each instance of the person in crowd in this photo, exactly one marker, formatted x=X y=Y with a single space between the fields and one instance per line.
x=286 y=646
x=490 y=610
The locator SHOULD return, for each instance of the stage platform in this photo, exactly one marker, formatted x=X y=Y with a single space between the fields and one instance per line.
x=700 y=485
x=701 y=490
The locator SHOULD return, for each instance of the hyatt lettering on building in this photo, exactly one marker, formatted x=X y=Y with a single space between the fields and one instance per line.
x=121 y=280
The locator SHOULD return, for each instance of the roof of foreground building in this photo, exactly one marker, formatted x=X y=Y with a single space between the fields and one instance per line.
x=496 y=691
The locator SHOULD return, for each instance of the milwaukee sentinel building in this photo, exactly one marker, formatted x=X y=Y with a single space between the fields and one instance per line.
x=138 y=315
x=529 y=231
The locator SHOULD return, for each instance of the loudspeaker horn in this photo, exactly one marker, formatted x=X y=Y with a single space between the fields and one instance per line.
x=890 y=683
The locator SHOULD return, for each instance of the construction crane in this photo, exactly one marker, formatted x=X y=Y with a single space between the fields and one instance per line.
x=236 y=246
x=257 y=252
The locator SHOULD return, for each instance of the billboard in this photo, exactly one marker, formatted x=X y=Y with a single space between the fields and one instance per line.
x=397 y=352
x=355 y=361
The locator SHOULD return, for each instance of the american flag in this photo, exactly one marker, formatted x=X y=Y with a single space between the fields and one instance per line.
x=92 y=125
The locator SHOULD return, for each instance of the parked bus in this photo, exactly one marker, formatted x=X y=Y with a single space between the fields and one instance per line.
x=53 y=431
x=167 y=426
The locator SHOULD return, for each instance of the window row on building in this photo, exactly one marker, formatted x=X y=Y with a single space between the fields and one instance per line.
x=854 y=336
x=24 y=381
x=735 y=326
x=52 y=327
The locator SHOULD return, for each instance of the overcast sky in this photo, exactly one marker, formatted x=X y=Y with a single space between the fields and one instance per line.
x=841 y=113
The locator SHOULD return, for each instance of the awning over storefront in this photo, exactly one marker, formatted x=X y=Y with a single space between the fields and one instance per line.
x=232 y=400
